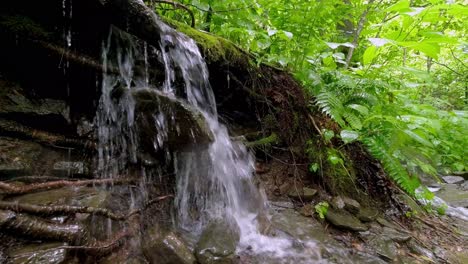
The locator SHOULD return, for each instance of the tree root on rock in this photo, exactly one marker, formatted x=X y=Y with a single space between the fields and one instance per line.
x=8 y=188
x=33 y=227
x=56 y=210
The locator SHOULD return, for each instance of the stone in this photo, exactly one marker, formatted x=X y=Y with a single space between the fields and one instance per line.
x=186 y=128
x=454 y=195
x=285 y=188
x=44 y=253
x=395 y=235
x=337 y=203
x=463 y=174
x=18 y=157
x=69 y=168
x=344 y=220
x=384 y=247
x=305 y=194
x=415 y=248
x=218 y=242
x=453 y=179
x=351 y=205
x=307 y=210
x=367 y=214
x=166 y=248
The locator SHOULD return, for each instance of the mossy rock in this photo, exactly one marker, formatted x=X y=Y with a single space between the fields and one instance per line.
x=215 y=49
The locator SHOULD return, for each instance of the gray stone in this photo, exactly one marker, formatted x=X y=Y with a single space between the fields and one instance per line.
x=351 y=205
x=454 y=195
x=463 y=174
x=305 y=194
x=338 y=203
x=218 y=242
x=307 y=210
x=384 y=247
x=68 y=168
x=367 y=214
x=453 y=179
x=395 y=235
x=166 y=248
x=285 y=188
x=46 y=253
x=344 y=220
x=420 y=250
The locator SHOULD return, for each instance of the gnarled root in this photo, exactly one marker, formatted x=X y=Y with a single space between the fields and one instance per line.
x=9 y=188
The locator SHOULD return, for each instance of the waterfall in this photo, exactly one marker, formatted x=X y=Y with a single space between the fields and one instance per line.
x=213 y=181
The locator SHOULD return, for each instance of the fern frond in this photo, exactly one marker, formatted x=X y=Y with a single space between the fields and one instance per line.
x=391 y=164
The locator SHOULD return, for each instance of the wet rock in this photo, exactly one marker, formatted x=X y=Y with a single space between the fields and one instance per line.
x=463 y=174
x=454 y=195
x=453 y=179
x=218 y=242
x=305 y=194
x=18 y=157
x=464 y=186
x=386 y=223
x=264 y=224
x=285 y=188
x=351 y=205
x=69 y=168
x=166 y=248
x=384 y=247
x=50 y=113
x=48 y=253
x=367 y=214
x=338 y=203
x=419 y=250
x=346 y=203
x=345 y=220
x=187 y=127
x=307 y=210
x=395 y=235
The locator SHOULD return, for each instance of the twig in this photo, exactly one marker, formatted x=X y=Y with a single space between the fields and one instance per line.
x=179 y=6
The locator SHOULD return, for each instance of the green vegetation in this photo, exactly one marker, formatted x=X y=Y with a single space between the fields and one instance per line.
x=392 y=73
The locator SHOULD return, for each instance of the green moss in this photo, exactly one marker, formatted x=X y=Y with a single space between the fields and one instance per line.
x=213 y=47
x=23 y=26
x=266 y=141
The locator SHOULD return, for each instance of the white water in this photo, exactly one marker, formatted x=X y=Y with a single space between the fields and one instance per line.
x=213 y=181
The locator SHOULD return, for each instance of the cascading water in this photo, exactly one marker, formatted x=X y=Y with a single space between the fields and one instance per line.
x=213 y=181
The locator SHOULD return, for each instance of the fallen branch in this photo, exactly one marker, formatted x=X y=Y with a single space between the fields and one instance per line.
x=8 y=188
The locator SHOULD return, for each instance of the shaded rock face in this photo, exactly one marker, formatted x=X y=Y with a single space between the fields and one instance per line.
x=187 y=127
x=453 y=179
x=343 y=219
x=218 y=242
x=166 y=248
x=304 y=194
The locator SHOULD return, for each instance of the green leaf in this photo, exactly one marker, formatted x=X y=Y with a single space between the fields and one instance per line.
x=369 y=55
x=431 y=49
x=349 y=136
x=314 y=167
x=401 y=6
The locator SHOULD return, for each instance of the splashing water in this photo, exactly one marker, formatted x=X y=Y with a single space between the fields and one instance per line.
x=213 y=181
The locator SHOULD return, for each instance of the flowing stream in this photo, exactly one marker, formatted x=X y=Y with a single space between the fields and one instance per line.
x=213 y=181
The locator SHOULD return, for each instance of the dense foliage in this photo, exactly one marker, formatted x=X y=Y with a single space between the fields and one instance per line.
x=393 y=74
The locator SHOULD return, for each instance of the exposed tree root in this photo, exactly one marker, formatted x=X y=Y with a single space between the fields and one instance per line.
x=58 y=210
x=66 y=209
x=8 y=188
x=33 y=227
